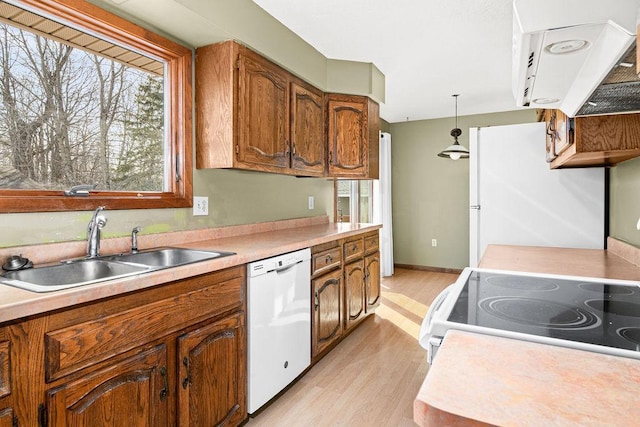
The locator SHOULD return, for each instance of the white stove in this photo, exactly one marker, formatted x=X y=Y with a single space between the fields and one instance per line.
x=600 y=315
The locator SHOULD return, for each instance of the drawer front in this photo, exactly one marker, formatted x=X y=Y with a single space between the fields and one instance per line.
x=5 y=368
x=326 y=261
x=371 y=243
x=353 y=249
x=76 y=347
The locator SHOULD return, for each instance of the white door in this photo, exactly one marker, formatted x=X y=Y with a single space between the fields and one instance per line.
x=515 y=199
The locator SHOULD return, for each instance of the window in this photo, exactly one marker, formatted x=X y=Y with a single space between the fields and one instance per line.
x=88 y=99
x=353 y=201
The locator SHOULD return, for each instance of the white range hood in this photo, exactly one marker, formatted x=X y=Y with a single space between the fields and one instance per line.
x=563 y=49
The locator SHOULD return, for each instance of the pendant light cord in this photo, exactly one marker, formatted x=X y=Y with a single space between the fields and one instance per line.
x=456 y=98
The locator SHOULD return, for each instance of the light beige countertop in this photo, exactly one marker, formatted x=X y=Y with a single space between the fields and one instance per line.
x=483 y=380
x=479 y=380
x=573 y=262
x=250 y=243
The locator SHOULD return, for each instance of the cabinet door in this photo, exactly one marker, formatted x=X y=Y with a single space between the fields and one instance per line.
x=133 y=392
x=5 y=368
x=263 y=115
x=354 y=293
x=327 y=311
x=348 y=138
x=307 y=130
x=559 y=135
x=213 y=374
x=372 y=280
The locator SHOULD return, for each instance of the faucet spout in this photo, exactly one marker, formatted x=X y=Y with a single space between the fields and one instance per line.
x=134 y=239
x=93 y=233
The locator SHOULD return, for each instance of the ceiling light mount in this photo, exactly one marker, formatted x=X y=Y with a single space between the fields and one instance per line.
x=455 y=151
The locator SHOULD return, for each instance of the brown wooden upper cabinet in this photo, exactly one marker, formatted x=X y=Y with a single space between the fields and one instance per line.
x=252 y=114
x=591 y=140
x=353 y=132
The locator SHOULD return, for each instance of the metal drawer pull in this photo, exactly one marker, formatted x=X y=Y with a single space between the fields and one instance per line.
x=329 y=258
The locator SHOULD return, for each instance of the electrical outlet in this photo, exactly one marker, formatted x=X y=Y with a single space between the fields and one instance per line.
x=311 y=203
x=200 y=206
x=434 y=242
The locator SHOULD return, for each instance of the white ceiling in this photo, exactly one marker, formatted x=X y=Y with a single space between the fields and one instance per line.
x=428 y=50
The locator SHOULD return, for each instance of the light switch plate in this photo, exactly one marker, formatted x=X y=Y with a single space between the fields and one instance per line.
x=200 y=206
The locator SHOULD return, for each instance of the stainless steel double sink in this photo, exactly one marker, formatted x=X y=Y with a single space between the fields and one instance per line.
x=85 y=271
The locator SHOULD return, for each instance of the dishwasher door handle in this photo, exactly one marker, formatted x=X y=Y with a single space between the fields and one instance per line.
x=284 y=269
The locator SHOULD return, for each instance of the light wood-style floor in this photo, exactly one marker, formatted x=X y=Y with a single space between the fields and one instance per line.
x=372 y=377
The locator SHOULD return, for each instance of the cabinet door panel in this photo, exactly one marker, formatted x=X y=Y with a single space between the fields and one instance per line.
x=372 y=282
x=213 y=376
x=348 y=138
x=354 y=290
x=133 y=392
x=307 y=131
x=327 y=311
x=263 y=115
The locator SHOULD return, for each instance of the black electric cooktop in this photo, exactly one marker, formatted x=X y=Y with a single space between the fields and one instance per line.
x=590 y=312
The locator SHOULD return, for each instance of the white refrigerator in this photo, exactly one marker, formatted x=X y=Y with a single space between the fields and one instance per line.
x=515 y=199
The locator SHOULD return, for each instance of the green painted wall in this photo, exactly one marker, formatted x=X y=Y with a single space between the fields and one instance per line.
x=430 y=193
x=235 y=197
x=624 y=201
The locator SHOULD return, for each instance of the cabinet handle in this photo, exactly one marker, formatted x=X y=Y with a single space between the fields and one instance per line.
x=329 y=258
x=316 y=301
x=187 y=380
x=164 y=392
x=354 y=248
x=293 y=149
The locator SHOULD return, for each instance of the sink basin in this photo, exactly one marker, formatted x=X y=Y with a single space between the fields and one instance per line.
x=168 y=257
x=68 y=275
x=87 y=271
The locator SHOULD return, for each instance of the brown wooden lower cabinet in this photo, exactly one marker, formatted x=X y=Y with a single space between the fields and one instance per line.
x=372 y=281
x=134 y=392
x=345 y=288
x=212 y=380
x=354 y=293
x=172 y=355
x=326 y=318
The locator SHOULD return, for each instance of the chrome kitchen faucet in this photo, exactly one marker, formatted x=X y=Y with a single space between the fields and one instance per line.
x=93 y=233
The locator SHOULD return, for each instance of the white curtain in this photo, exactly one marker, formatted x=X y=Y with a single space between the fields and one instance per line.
x=382 y=206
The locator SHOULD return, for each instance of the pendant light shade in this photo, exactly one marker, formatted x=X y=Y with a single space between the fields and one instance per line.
x=455 y=151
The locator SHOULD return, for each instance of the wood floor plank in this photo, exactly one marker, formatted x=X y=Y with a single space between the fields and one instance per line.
x=372 y=377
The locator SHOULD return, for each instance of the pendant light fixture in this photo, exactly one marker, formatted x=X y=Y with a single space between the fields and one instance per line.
x=455 y=151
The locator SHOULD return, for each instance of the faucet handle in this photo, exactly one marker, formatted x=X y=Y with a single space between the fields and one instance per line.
x=95 y=219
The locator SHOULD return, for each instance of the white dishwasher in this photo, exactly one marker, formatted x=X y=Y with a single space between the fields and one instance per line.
x=279 y=323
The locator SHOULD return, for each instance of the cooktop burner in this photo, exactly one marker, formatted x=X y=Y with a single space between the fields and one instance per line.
x=603 y=313
x=539 y=313
x=630 y=334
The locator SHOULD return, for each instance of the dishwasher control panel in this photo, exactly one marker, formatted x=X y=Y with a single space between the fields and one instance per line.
x=281 y=261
